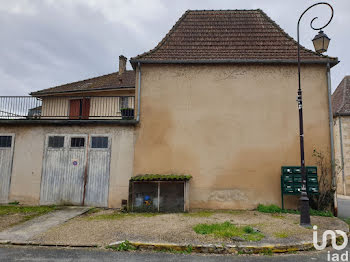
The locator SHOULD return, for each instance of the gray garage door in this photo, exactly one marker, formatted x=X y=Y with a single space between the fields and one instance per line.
x=98 y=171
x=6 y=158
x=67 y=174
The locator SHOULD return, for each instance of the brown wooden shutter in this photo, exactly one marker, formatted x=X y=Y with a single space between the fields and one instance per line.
x=74 y=109
x=86 y=108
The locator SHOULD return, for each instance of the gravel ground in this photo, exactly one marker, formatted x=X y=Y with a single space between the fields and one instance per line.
x=9 y=220
x=178 y=228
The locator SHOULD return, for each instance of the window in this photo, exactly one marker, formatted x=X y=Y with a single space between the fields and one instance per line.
x=99 y=142
x=124 y=102
x=77 y=142
x=5 y=141
x=56 y=141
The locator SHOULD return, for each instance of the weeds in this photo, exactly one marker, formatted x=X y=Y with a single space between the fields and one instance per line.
x=275 y=209
x=227 y=230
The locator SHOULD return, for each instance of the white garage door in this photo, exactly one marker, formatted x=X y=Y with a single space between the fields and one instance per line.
x=6 y=158
x=75 y=170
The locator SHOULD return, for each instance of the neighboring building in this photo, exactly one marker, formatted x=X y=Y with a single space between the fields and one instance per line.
x=341 y=114
x=215 y=99
x=70 y=144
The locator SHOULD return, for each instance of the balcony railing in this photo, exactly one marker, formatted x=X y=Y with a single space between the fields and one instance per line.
x=67 y=107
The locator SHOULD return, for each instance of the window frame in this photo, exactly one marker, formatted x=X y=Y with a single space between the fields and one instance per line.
x=100 y=135
x=12 y=135
x=48 y=141
x=77 y=136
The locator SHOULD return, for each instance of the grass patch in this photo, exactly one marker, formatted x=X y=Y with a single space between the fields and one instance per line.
x=119 y=215
x=276 y=209
x=30 y=210
x=227 y=230
x=277 y=215
x=204 y=213
x=281 y=234
x=347 y=221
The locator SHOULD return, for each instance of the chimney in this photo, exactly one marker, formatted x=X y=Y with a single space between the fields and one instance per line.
x=122 y=64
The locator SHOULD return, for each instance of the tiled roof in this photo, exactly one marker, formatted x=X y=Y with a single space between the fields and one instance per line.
x=341 y=98
x=227 y=36
x=105 y=82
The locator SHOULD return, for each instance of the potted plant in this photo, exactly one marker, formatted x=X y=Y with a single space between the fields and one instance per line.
x=127 y=113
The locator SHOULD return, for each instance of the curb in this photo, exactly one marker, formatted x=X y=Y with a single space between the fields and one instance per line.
x=15 y=243
x=218 y=249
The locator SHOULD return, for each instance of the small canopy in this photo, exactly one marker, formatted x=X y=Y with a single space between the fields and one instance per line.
x=157 y=177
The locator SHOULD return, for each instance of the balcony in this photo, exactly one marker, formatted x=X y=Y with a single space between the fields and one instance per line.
x=67 y=108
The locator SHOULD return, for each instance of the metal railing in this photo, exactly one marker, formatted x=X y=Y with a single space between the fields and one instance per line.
x=67 y=107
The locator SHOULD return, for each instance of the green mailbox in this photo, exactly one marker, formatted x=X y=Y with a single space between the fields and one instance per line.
x=291 y=181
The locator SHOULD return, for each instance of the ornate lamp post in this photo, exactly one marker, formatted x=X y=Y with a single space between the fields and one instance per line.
x=321 y=42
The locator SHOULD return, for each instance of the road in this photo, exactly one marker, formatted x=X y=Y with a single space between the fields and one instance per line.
x=22 y=254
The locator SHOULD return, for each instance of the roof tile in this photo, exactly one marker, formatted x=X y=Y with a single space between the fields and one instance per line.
x=201 y=35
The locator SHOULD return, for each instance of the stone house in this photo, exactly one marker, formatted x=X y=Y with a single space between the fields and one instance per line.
x=215 y=99
x=341 y=115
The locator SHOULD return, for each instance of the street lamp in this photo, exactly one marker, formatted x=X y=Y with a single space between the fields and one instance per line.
x=321 y=42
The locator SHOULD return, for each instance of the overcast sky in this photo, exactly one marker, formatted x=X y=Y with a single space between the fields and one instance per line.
x=44 y=43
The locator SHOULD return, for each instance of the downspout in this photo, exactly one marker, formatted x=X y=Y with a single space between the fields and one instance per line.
x=138 y=93
x=331 y=124
x=334 y=183
x=342 y=155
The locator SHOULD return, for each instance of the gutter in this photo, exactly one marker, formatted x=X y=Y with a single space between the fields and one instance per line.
x=138 y=93
x=334 y=183
x=331 y=62
x=39 y=94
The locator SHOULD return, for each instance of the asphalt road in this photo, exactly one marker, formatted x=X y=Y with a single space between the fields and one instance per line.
x=343 y=207
x=22 y=254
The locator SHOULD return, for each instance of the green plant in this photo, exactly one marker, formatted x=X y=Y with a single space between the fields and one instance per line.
x=281 y=234
x=120 y=215
x=267 y=252
x=14 y=203
x=204 y=213
x=228 y=230
x=125 y=246
x=248 y=229
x=327 y=188
x=273 y=209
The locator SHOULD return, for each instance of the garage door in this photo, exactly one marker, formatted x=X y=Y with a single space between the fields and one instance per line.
x=75 y=170
x=6 y=158
x=97 y=185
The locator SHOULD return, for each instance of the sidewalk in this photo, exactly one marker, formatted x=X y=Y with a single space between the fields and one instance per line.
x=162 y=230
x=27 y=230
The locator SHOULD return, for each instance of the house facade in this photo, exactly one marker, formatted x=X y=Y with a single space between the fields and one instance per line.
x=341 y=111
x=215 y=99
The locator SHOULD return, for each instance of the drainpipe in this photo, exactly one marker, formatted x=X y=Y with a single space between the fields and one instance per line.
x=138 y=93
x=342 y=155
x=331 y=123
x=334 y=182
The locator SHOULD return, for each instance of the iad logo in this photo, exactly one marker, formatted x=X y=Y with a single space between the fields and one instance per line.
x=332 y=234
x=335 y=256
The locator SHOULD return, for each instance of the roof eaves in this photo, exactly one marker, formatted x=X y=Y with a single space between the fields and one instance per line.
x=332 y=62
x=39 y=93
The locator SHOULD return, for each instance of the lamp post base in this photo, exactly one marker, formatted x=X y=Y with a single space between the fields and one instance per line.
x=304 y=210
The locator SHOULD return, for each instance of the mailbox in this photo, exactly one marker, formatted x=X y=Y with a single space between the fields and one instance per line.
x=291 y=181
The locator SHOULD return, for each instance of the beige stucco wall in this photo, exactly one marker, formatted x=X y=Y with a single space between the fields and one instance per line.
x=28 y=158
x=343 y=174
x=231 y=127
